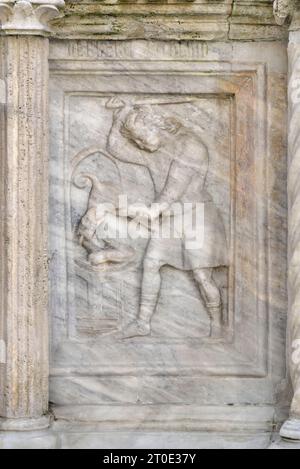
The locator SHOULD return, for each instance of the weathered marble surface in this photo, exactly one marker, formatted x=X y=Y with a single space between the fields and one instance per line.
x=23 y=230
x=124 y=356
x=238 y=110
x=204 y=20
x=280 y=444
x=291 y=428
x=24 y=149
x=81 y=438
x=30 y=18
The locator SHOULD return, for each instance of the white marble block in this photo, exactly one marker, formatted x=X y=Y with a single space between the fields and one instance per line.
x=148 y=333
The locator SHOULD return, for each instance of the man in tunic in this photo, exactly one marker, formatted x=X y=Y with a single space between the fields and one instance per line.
x=177 y=161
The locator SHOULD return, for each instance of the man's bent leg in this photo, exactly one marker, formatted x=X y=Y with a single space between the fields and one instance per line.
x=212 y=298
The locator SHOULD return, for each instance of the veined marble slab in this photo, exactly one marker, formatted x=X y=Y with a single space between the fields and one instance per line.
x=148 y=325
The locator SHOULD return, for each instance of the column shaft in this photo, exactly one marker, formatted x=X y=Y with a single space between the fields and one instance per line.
x=23 y=227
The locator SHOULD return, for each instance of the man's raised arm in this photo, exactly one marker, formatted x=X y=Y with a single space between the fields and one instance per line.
x=118 y=145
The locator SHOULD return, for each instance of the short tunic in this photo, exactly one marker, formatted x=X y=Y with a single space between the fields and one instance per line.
x=205 y=248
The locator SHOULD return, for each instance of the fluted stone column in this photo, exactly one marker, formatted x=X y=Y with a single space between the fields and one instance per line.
x=284 y=9
x=24 y=217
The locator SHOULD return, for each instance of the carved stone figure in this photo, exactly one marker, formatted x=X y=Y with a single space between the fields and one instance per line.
x=178 y=161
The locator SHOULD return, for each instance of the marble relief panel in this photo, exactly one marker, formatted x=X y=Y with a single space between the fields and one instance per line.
x=101 y=290
x=132 y=142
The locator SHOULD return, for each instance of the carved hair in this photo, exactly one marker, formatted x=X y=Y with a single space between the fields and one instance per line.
x=144 y=118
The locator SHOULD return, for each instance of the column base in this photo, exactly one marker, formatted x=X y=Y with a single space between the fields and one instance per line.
x=291 y=430
x=26 y=424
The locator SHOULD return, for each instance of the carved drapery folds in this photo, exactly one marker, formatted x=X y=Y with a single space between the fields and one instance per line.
x=28 y=17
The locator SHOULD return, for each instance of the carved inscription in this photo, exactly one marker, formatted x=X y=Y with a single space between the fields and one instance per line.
x=121 y=50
